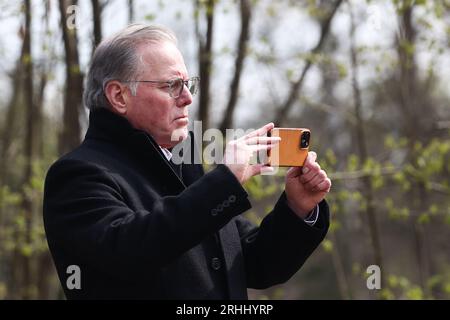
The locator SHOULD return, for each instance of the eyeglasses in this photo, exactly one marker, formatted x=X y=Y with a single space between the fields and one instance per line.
x=176 y=86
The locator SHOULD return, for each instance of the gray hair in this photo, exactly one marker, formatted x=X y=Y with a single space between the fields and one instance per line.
x=117 y=58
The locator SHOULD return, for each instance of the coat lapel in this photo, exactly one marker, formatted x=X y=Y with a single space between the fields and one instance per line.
x=105 y=125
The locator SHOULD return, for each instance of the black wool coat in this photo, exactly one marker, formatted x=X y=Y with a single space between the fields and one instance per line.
x=118 y=210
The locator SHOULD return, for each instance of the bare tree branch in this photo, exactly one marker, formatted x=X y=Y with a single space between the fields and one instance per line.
x=242 y=48
x=360 y=174
x=283 y=111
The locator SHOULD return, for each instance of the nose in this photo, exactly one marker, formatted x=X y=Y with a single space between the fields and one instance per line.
x=185 y=97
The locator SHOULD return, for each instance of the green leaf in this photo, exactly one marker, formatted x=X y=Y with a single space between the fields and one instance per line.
x=433 y=210
x=447 y=288
x=389 y=141
x=423 y=218
x=353 y=162
x=393 y=281
x=342 y=69
x=327 y=245
x=415 y=293
x=387 y=294
x=150 y=17
x=330 y=157
x=26 y=250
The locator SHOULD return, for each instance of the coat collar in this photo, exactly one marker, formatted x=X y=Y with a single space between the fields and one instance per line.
x=108 y=126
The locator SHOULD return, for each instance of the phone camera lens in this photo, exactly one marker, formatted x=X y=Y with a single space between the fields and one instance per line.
x=304 y=141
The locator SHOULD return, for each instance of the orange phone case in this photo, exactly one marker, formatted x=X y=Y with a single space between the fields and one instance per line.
x=292 y=150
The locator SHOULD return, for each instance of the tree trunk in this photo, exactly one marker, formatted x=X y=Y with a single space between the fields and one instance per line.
x=130 y=11
x=43 y=261
x=205 y=61
x=338 y=262
x=363 y=154
x=97 y=20
x=45 y=271
x=15 y=273
x=30 y=114
x=242 y=48
x=39 y=113
x=421 y=242
x=10 y=120
x=44 y=70
x=343 y=285
x=406 y=42
x=410 y=105
x=70 y=135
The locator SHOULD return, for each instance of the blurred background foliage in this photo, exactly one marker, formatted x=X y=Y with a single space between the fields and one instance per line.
x=369 y=78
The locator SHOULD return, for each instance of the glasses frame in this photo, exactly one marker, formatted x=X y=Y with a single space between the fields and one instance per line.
x=171 y=84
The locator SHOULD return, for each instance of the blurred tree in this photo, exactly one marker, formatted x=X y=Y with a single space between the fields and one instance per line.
x=44 y=265
x=22 y=261
x=246 y=10
x=130 y=11
x=330 y=9
x=97 y=9
x=360 y=135
x=205 y=56
x=70 y=135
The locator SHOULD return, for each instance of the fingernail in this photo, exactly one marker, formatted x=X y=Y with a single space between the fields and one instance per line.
x=305 y=170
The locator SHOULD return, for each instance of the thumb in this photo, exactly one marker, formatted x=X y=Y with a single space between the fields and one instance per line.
x=310 y=159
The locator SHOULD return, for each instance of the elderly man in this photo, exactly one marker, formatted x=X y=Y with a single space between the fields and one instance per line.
x=136 y=226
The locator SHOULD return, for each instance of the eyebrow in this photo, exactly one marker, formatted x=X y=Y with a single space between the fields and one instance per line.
x=177 y=75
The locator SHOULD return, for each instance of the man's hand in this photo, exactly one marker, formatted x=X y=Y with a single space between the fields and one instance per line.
x=239 y=152
x=306 y=186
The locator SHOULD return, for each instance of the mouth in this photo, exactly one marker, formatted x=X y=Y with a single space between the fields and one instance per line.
x=182 y=120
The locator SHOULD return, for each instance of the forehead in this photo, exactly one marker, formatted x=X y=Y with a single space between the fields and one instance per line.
x=162 y=59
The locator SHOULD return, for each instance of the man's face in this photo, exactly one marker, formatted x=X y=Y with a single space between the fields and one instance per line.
x=153 y=110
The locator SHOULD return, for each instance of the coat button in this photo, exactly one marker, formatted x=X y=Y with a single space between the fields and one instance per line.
x=214 y=212
x=232 y=198
x=215 y=263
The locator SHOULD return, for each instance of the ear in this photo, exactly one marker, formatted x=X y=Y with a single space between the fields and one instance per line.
x=117 y=95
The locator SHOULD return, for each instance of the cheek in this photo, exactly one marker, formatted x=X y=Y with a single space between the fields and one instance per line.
x=156 y=113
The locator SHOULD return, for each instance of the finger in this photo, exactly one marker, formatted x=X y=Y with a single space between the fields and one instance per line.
x=259 y=147
x=315 y=182
x=293 y=172
x=263 y=140
x=266 y=169
x=323 y=186
x=311 y=172
x=259 y=168
x=310 y=160
x=259 y=132
x=320 y=176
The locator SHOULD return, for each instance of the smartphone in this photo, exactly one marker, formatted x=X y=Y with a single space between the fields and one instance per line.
x=293 y=148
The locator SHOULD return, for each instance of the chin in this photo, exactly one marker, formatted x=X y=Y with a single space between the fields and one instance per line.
x=179 y=135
